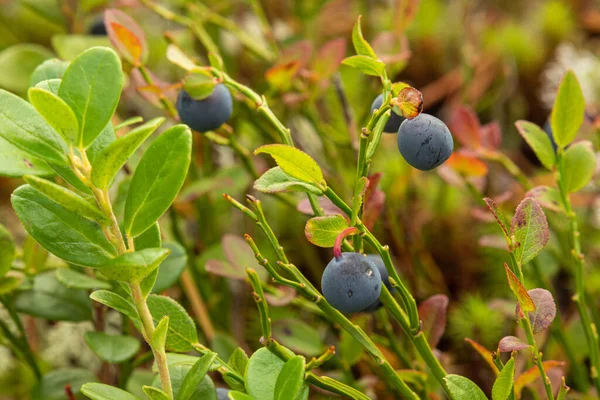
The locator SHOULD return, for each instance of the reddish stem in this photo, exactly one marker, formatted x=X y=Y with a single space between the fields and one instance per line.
x=337 y=247
x=69 y=392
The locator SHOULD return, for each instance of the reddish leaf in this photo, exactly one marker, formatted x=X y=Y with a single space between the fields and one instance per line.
x=484 y=353
x=390 y=48
x=299 y=52
x=491 y=135
x=519 y=290
x=329 y=58
x=409 y=102
x=225 y=269
x=529 y=229
x=126 y=36
x=286 y=298
x=467 y=164
x=545 y=309
x=511 y=343
x=532 y=374
x=432 y=313
x=498 y=214
x=280 y=76
x=373 y=201
x=465 y=127
x=328 y=207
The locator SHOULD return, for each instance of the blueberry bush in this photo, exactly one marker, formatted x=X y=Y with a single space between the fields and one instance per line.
x=201 y=202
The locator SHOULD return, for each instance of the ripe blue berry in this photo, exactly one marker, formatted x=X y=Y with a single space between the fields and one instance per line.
x=425 y=142
x=393 y=123
x=206 y=114
x=351 y=283
x=222 y=394
x=98 y=28
x=376 y=259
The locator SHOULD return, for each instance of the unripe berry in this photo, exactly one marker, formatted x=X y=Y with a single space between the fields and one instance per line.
x=351 y=282
x=425 y=142
x=206 y=114
x=393 y=123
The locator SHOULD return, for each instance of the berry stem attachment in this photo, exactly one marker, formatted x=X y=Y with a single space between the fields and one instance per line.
x=339 y=240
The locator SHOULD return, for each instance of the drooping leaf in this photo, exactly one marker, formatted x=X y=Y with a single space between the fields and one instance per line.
x=504 y=382
x=432 y=313
x=73 y=279
x=484 y=353
x=100 y=391
x=157 y=179
x=115 y=302
x=53 y=68
x=7 y=250
x=366 y=65
x=539 y=142
x=91 y=86
x=579 y=165
x=182 y=330
x=81 y=241
x=290 y=379
x=568 y=111
x=519 y=290
x=463 y=388
x=545 y=309
x=498 y=214
x=126 y=36
x=52 y=385
x=276 y=181
x=361 y=46
x=56 y=113
x=529 y=228
x=195 y=376
x=295 y=163
x=112 y=158
x=113 y=349
x=509 y=344
x=133 y=267
x=532 y=374
x=323 y=231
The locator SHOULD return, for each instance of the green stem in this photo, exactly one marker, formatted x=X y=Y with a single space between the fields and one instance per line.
x=20 y=343
x=537 y=356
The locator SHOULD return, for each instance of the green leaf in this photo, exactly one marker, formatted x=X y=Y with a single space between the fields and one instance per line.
x=129 y=121
x=529 y=230
x=199 y=84
x=323 y=231
x=133 y=267
x=155 y=393
x=8 y=284
x=52 y=385
x=170 y=270
x=276 y=181
x=539 y=141
x=290 y=379
x=68 y=47
x=295 y=163
x=504 y=382
x=233 y=395
x=548 y=197
x=18 y=62
x=100 y=391
x=7 y=250
x=50 y=299
x=238 y=361
x=298 y=336
x=110 y=160
x=157 y=179
x=77 y=280
x=159 y=337
x=204 y=391
x=102 y=141
x=182 y=329
x=361 y=46
x=195 y=376
x=67 y=199
x=51 y=85
x=366 y=65
x=461 y=388
x=91 y=86
x=568 y=111
x=62 y=232
x=49 y=69
x=113 y=349
x=579 y=165
x=519 y=290
x=115 y=302
x=56 y=112
x=15 y=162
x=24 y=128
x=147 y=240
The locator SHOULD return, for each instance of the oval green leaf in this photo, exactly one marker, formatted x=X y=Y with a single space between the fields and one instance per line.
x=15 y=162
x=133 y=267
x=290 y=379
x=49 y=69
x=195 y=376
x=182 y=329
x=18 y=62
x=276 y=181
x=568 y=111
x=100 y=391
x=462 y=388
x=56 y=112
x=504 y=382
x=77 y=280
x=7 y=250
x=323 y=231
x=579 y=165
x=366 y=65
x=539 y=142
x=295 y=163
x=52 y=385
x=113 y=349
x=115 y=302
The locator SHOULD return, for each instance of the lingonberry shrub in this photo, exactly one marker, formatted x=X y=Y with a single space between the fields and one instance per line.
x=108 y=205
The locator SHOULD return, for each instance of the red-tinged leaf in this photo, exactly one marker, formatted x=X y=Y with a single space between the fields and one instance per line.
x=238 y=253
x=529 y=230
x=405 y=12
x=519 y=290
x=465 y=127
x=372 y=208
x=545 y=309
x=484 y=353
x=281 y=75
x=126 y=36
x=491 y=135
x=323 y=231
x=286 y=297
x=498 y=214
x=329 y=58
x=467 y=164
x=299 y=52
x=409 y=102
x=432 y=313
x=225 y=270
x=328 y=207
x=152 y=93
x=509 y=344
x=548 y=197
x=532 y=374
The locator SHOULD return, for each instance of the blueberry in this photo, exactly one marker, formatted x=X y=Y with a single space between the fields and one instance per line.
x=222 y=394
x=351 y=283
x=98 y=27
x=393 y=123
x=548 y=130
x=425 y=142
x=376 y=259
x=206 y=114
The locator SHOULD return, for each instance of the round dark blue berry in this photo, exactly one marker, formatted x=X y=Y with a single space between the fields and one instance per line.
x=206 y=114
x=98 y=27
x=351 y=283
x=425 y=142
x=222 y=394
x=376 y=259
x=393 y=123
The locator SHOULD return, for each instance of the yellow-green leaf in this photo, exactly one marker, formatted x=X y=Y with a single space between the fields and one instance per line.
x=579 y=165
x=568 y=111
x=361 y=46
x=295 y=163
x=323 y=231
x=133 y=267
x=539 y=142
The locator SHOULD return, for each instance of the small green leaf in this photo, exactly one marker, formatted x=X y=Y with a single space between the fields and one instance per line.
x=133 y=267
x=157 y=179
x=529 y=230
x=72 y=237
x=24 y=128
x=539 y=141
x=56 y=112
x=115 y=302
x=519 y=290
x=276 y=181
x=110 y=160
x=155 y=393
x=159 y=337
x=199 y=83
x=323 y=231
x=290 y=379
x=18 y=62
x=461 y=388
x=67 y=198
x=361 y=46
x=238 y=361
x=568 y=111
x=52 y=385
x=366 y=65
x=195 y=376
x=51 y=85
x=53 y=68
x=7 y=250
x=295 y=163
x=545 y=309
x=77 y=280
x=204 y=391
x=113 y=349
x=579 y=165
x=91 y=86
x=504 y=382
x=100 y=391
x=182 y=329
